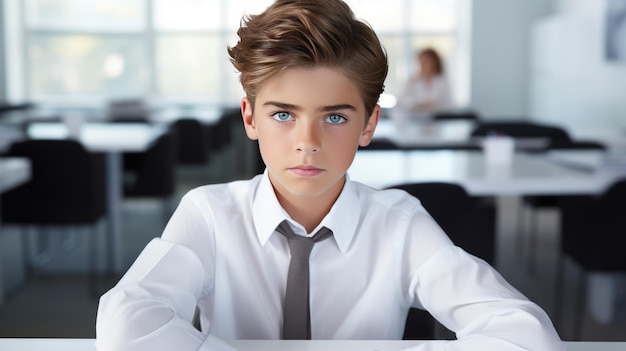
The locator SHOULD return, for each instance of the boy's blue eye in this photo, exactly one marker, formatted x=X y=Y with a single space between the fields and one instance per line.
x=282 y=116
x=335 y=119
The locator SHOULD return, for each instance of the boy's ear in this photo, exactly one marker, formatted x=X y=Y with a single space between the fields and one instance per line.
x=370 y=127
x=248 y=119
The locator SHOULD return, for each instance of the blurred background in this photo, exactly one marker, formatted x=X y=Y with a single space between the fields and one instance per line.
x=157 y=62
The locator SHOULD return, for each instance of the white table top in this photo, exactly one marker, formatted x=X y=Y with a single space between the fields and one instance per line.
x=433 y=133
x=426 y=133
x=591 y=160
x=23 y=344
x=102 y=137
x=13 y=172
x=528 y=174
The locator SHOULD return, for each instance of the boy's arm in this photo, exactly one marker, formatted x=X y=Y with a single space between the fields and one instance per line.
x=152 y=306
x=469 y=297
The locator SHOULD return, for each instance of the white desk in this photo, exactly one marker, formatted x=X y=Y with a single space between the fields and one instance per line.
x=426 y=133
x=113 y=139
x=276 y=345
x=13 y=172
x=592 y=161
x=528 y=174
x=433 y=134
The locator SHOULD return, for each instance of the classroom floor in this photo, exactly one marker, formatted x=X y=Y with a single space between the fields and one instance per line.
x=56 y=305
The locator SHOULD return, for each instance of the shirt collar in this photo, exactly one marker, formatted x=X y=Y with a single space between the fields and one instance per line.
x=342 y=219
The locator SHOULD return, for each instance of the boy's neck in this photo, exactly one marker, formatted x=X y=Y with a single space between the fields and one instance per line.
x=307 y=211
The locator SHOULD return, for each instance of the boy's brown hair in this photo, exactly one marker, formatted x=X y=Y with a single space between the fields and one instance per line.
x=309 y=33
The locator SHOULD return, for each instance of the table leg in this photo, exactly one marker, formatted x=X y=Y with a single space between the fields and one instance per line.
x=114 y=209
x=1 y=282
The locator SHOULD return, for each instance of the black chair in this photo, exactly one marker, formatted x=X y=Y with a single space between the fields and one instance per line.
x=456 y=115
x=193 y=143
x=593 y=236
x=469 y=222
x=152 y=174
x=521 y=129
x=15 y=107
x=387 y=144
x=128 y=110
x=551 y=201
x=380 y=144
x=67 y=188
x=241 y=155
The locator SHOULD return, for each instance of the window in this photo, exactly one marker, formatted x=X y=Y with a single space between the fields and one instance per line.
x=174 y=51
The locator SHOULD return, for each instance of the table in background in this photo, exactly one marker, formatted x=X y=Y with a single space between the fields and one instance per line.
x=112 y=139
x=433 y=134
x=277 y=345
x=13 y=172
x=426 y=133
x=528 y=173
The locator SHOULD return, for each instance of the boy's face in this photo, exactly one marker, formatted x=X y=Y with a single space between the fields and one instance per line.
x=309 y=124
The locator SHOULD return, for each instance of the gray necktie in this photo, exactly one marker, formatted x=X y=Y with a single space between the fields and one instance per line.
x=296 y=313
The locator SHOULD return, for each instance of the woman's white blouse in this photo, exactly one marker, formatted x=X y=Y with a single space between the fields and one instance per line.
x=220 y=252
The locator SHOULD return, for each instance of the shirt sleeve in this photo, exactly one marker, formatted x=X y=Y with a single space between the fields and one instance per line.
x=469 y=297
x=152 y=306
x=443 y=97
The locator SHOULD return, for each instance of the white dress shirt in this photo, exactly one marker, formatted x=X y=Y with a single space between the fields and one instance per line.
x=436 y=92
x=220 y=252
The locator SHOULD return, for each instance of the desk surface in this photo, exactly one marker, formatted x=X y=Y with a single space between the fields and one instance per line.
x=441 y=133
x=102 y=137
x=528 y=174
x=426 y=133
x=275 y=345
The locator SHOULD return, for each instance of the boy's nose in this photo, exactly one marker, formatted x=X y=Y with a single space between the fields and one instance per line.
x=307 y=138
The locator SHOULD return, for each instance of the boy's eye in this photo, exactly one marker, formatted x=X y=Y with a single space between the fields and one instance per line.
x=335 y=119
x=282 y=116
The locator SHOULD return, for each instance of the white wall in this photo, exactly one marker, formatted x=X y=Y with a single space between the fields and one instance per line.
x=2 y=66
x=500 y=44
x=572 y=82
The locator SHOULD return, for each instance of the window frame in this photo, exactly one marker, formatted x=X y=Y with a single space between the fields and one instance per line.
x=18 y=73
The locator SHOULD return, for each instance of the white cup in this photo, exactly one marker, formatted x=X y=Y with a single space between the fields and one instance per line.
x=498 y=150
x=74 y=123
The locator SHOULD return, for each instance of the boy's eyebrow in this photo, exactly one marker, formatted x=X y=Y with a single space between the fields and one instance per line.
x=282 y=105
x=337 y=107
x=321 y=109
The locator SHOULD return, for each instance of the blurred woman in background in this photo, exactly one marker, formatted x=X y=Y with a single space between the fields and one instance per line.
x=427 y=91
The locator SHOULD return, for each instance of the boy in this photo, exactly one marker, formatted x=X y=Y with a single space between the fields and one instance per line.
x=312 y=75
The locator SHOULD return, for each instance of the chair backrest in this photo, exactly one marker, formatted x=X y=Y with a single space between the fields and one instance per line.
x=593 y=229
x=468 y=221
x=193 y=144
x=128 y=110
x=67 y=185
x=153 y=171
x=230 y=119
x=575 y=145
x=456 y=115
x=521 y=129
x=380 y=144
x=230 y=131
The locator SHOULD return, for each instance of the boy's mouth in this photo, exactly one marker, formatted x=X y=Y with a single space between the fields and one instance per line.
x=306 y=171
